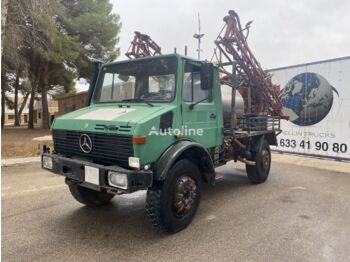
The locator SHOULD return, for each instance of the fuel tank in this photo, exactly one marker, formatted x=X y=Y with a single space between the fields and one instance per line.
x=226 y=103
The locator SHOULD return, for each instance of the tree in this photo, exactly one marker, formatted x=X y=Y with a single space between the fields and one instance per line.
x=96 y=28
x=57 y=58
x=19 y=41
x=3 y=96
x=51 y=43
x=4 y=11
x=83 y=30
x=11 y=27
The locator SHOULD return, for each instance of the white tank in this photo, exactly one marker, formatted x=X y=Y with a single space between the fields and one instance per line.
x=226 y=102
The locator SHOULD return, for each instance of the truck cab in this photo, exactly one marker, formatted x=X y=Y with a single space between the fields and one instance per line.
x=155 y=124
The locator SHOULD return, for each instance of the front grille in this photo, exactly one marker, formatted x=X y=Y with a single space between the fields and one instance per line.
x=106 y=148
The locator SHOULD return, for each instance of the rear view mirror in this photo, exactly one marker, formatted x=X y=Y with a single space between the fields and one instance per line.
x=207 y=76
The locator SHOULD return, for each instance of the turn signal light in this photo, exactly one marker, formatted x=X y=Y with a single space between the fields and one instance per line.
x=139 y=140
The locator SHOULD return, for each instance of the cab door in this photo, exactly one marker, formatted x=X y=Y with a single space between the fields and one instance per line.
x=199 y=112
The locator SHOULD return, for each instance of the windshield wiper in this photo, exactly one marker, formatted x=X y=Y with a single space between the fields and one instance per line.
x=137 y=100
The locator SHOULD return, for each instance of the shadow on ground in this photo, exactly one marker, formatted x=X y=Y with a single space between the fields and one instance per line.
x=125 y=217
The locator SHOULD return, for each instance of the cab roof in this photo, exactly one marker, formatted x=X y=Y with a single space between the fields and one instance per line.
x=156 y=57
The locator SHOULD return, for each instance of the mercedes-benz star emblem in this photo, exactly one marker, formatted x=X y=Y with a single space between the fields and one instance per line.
x=85 y=143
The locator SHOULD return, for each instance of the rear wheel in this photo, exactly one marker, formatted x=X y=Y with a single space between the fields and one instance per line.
x=172 y=205
x=262 y=157
x=88 y=196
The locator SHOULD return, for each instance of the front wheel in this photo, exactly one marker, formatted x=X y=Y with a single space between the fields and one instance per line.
x=172 y=205
x=262 y=157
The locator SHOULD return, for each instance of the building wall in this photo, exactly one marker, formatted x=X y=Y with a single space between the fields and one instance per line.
x=71 y=103
x=10 y=112
x=38 y=116
x=316 y=97
x=10 y=118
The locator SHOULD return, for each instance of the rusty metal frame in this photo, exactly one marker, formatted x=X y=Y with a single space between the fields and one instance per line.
x=254 y=84
x=141 y=46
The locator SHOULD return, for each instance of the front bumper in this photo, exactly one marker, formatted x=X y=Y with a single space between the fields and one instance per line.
x=74 y=169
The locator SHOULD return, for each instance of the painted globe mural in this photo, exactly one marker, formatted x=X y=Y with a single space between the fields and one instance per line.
x=307 y=98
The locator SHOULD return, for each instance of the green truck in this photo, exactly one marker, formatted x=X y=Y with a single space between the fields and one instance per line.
x=161 y=124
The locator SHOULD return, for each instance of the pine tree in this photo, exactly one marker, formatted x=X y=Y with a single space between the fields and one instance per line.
x=52 y=43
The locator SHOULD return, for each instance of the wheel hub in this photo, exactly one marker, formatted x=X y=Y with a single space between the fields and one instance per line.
x=265 y=159
x=185 y=195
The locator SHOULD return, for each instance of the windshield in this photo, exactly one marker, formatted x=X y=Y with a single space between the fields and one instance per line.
x=137 y=81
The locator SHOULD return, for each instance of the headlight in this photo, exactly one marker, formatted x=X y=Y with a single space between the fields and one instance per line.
x=118 y=180
x=134 y=162
x=47 y=162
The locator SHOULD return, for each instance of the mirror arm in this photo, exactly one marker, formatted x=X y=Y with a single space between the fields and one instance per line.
x=96 y=65
x=196 y=103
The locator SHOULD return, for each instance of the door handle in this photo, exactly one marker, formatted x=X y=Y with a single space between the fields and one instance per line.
x=212 y=116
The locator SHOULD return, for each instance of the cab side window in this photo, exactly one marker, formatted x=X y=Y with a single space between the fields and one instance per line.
x=192 y=88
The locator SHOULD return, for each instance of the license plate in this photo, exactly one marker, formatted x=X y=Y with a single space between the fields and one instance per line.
x=92 y=175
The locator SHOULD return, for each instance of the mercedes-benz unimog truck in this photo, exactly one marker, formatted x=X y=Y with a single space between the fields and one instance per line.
x=161 y=124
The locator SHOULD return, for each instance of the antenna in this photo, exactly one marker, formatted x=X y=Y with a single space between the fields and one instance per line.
x=198 y=37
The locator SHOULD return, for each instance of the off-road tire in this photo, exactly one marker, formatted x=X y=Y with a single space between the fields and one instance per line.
x=259 y=173
x=160 y=199
x=89 y=197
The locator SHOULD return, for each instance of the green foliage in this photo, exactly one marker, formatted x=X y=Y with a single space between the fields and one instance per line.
x=66 y=34
x=96 y=28
x=51 y=43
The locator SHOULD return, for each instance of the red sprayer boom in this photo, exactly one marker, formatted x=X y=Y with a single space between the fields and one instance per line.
x=246 y=74
x=142 y=45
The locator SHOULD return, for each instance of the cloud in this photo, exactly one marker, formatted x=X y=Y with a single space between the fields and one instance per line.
x=283 y=32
